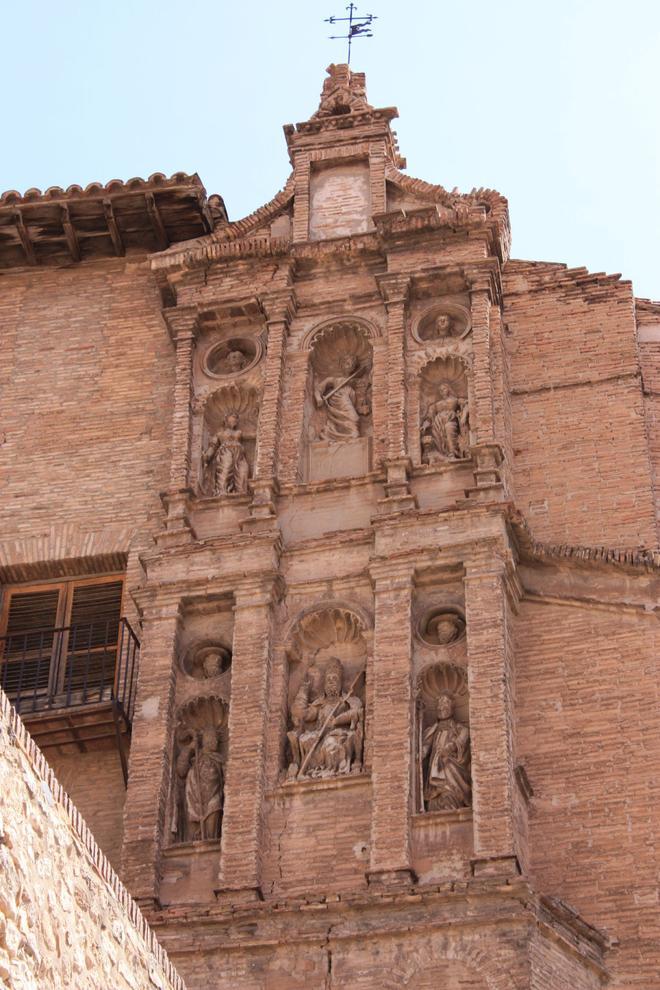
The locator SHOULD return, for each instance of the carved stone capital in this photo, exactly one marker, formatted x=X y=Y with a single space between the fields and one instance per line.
x=279 y=305
x=394 y=288
x=389 y=575
x=480 y=280
x=258 y=591
x=182 y=322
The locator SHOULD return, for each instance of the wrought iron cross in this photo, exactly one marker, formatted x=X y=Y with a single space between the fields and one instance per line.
x=358 y=27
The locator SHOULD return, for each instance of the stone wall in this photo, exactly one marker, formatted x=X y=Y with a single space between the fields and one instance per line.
x=65 y=918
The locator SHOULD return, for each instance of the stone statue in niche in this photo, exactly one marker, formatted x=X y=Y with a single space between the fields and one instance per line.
x=343 y=398
x=225 y=458
x=445 y=755
x=198 y=773
x=445 y=429
x=327 y=734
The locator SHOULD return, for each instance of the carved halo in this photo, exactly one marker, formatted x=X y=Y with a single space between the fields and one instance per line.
x=445 y=678
x=220 y=359
x=228 y=399
x=448 y=369
x=323 y=633
x=461 y=323
x=325 y=626
x=200 y=713
x=195 y=662
x=353 y=324
x=441 y=626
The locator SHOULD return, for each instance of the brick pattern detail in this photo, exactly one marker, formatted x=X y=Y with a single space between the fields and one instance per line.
x=394 y=290
x=181 y=418
x=482 y=378
x=392 y=723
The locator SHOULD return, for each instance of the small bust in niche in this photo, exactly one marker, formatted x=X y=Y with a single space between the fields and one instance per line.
x=209 y=662
x=444 y=628
x=235 y=362
x=441 y=326
x=230 y=358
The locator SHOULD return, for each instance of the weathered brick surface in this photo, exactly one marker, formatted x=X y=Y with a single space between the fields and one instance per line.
x=590 y=740
x=65 y=919
x=80 y=774
x=545 y=538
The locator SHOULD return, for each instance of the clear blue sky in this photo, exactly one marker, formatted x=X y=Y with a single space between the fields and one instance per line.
x=554 y=104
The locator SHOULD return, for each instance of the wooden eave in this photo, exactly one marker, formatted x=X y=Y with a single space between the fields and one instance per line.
x=62 y=227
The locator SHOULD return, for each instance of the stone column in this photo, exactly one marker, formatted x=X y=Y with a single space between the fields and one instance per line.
x=488 y=612
x=392 y=726
x=145 y=815
x=182 y=323
x=394 y=290
x=240 y=867
x=279 y=307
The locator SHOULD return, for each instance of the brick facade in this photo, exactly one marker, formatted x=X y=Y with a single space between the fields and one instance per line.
x=499 y=469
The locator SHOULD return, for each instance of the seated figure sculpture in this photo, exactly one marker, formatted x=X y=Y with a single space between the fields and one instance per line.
x=343 y=400
x=327 y=734
x=447 y=782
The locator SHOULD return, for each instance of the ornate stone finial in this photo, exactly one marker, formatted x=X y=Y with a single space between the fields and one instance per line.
x=344 y=92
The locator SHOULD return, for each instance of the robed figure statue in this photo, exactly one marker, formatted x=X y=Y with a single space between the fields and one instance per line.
x=446 y=748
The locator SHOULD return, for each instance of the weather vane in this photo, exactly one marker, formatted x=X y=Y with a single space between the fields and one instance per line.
x=358 y=27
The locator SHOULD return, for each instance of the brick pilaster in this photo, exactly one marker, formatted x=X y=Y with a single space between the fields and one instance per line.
x=490 y=653
x=182 y=324
x=279 y=308
x=240 y=873
x=394 y=290
x=482 y=380
x=302 y=172
x=150 y=758
x=392 y=726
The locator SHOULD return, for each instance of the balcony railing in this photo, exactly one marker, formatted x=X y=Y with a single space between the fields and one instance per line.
x=49 y=670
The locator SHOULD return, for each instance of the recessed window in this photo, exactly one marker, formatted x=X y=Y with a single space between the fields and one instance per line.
x=59 y=641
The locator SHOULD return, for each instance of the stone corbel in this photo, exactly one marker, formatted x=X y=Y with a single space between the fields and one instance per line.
x=394 y=289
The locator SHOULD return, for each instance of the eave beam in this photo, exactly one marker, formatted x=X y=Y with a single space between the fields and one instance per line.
x=70 y=233
x=111 y=221
x=162 y=240
x=28 y=246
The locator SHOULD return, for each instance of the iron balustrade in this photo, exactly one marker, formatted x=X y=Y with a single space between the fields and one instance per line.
x=52 y=669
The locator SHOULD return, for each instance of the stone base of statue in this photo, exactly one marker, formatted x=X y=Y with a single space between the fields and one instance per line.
x=327 y=460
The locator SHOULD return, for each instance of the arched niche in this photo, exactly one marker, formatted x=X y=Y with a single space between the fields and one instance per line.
x=200 y=754
x=229 y=432
x=444 y=415
x=444 y=781
x=338 y=416
x=327 y=666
